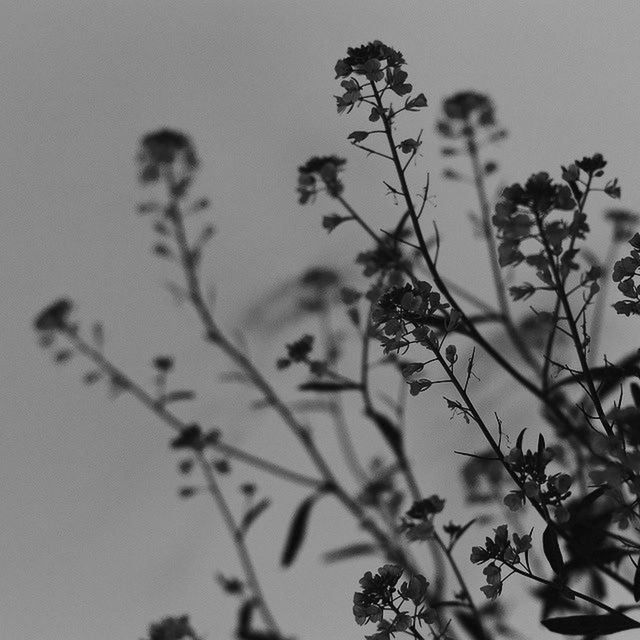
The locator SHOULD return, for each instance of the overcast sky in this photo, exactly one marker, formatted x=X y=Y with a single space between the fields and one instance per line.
x=95 y=543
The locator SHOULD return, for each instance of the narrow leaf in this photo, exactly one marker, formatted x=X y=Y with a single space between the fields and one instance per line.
x=297 y=531
x=519 y=439
x=552 y=549
x=329 y=387
x=593 y=625
x=636 y=583
x=635 y=393
x=541 y=445
x=389 y=431
x=251 y=515
x=176 y=396
x=350 y=551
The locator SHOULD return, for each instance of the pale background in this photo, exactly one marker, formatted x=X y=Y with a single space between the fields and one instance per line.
x=95 y=543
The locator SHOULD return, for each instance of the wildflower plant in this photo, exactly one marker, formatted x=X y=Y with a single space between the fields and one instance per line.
x=582 y=498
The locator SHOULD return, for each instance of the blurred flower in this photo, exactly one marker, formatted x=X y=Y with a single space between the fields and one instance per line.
x=54 y=317
x=325 y=168
x=163 y=148
x=624 y=222
x=462 y=105
x=172 y=628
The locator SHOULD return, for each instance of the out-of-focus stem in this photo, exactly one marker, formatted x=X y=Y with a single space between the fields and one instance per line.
x=503 y=302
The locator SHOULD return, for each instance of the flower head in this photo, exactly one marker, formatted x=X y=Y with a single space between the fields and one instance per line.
x=325 y=168
x=624 y=221
x=465 y=104
x=359 y=57
x=54 y=317
x=163 y=148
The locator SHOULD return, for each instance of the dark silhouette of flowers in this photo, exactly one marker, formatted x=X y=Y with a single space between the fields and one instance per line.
x=162 y=149
x=55 y=316
x=326 y=169
x=172 y=628
x=624 y=272
x=467 y=104
x=624 y=221
x=359 y=57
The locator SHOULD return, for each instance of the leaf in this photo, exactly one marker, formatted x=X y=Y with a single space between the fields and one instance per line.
x=329 y=387
x=297 y=531
x=635 y=394
x=636 y=583
x=389 y=431
x=208 y=231
x=350 y=551
x=552 y=549
x=593 y=625
x=251 y=515
x=177 y=396
x=245 y=615
x=330 y=222
x=519 y=439
x=358 y=136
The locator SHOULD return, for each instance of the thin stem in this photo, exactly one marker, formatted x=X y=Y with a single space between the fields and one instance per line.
x=598 y=310
x=565 y=589
x=440 y=284
x=214 y=335
x=573 y=328
x=175 y=423
x=336 y=408
x=239 y=542
x=503 y=303
x=461 y=581
x=178 y=425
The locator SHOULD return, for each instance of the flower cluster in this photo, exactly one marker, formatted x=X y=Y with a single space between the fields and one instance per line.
x=49 y=323
x=172 y=628
x=382 y=491
x=376 y=62
x=164 y=149
x=464 y=112
x=55 y=317
x=404 y=311
x=623 y=221
x=523 y=214
x=499 y=550
x=358 y=58
x=418 y=521
x=324 y=168
x=624 y=272
x=469 y=118
x=548 y=490
x=379 y=594
x=383 y=258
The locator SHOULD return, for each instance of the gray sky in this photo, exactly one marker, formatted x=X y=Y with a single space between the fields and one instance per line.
x=95 y=542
